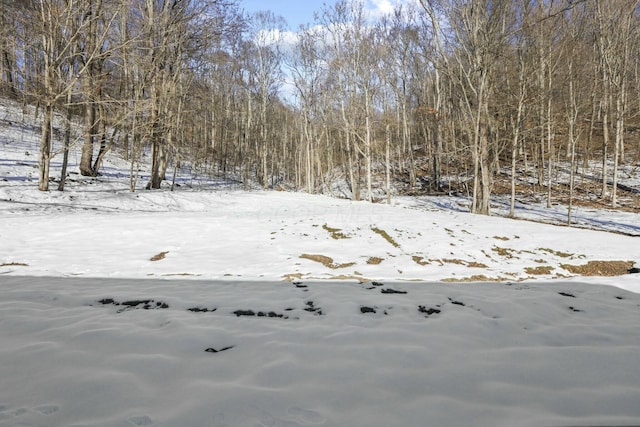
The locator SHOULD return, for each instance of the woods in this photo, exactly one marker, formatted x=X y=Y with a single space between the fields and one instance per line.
x=474 y=97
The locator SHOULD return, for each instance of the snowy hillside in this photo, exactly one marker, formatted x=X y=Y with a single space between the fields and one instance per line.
x=212 y=306
x=211 y=229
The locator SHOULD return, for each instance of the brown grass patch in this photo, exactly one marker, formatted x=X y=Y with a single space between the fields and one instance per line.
x=505 y=252
x=386 y=236
x=475 y=264
x=336 y=233
x=501 y=238
x=374 y=260
x=326 y=261
x=14 y=264
x=540 y=270
x=292 y=276
x=600 y=268
x=486 y=254
x=159 y=256
x=420 y=260
x=557 y=253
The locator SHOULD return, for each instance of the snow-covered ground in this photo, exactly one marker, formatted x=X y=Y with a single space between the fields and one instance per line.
x=211 y=306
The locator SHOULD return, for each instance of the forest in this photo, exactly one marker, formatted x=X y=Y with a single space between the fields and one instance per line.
x=471 y=96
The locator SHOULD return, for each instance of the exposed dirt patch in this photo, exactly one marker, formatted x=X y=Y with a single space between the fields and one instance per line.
x=538 y=271
x=159 y=256
x=374 y=260
x=501 y=238
x=326 y=261
x=14 y=264
x=386 y=236
x=600 y=268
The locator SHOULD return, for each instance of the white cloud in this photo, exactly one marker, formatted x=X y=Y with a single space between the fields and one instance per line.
x=382 y=7
x=379 y=8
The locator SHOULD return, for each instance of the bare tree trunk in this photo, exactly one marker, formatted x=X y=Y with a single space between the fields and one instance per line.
x=45 y=147
x=605 y=139
x=388 y=162
x=67 y=140
x=572 y=119
x=516 y=138
x=367 y=148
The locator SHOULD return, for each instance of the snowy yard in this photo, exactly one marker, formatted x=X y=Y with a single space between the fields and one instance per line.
x=86 y=352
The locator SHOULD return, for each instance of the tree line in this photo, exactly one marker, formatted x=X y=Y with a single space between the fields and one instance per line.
x=468 y=89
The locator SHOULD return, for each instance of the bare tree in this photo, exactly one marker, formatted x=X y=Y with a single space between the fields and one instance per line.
x=264 y=77
x=614 y=23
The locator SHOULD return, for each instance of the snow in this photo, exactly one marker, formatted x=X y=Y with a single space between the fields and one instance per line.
x=172 y=309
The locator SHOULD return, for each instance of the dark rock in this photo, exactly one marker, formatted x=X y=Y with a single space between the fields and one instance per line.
x=213 y=350
x=575 y=310
x=565 y=294
x=311 y=308
x=377 y=284
x=428 y=311
x=392 y=291
x=201 y=310
x=147 y=304
x=457 y=302
x=271 y=314
x=365 y=310
x=244 y=313
x=134 y=303
x=633 y=270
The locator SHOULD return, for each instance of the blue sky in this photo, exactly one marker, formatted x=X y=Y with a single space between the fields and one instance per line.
x=295 y=12
x=298 y=12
